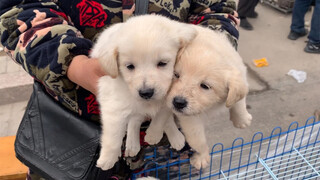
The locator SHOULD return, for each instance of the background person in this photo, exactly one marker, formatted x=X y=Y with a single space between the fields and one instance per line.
x=297 y=28
x=246 y=8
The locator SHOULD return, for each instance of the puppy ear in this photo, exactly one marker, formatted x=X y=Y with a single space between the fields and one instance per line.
x=106 y=50
x=180 y=52
x=109 y=62
x=238 y=89
x=186 y=33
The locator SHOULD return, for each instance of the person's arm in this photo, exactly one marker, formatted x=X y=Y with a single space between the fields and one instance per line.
x=39 y=36
x=92 y=69
x=220 y=15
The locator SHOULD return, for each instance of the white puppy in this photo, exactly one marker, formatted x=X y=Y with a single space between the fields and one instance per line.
x=209 y=74
x=139 y=55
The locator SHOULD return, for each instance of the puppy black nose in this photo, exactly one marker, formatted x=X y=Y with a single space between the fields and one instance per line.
x=146 y=93
x=179 y=102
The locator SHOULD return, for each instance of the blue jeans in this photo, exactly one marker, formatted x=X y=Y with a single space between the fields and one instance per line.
x=299 y=10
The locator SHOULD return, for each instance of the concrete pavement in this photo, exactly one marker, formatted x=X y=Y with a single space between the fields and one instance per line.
x=275 y=99
x=15 y=90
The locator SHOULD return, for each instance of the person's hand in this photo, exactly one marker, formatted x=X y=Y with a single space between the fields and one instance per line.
x=85 y=72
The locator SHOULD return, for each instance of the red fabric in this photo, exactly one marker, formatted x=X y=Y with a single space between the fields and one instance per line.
x=92 y=104
x=142 y=135
x=59 y=14
x=91 y=14
x=198 y=20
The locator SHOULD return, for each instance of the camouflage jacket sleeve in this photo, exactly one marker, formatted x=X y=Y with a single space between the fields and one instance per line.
x=38 y=35
x=218 y=15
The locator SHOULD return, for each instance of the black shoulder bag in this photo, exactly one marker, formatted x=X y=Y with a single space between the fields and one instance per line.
x=55 y=142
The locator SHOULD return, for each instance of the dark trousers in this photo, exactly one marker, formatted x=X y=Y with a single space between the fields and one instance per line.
x=246 y=7
x=297 y=24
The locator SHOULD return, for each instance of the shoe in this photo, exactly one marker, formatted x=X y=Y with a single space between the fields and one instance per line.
x=294 y=35
x=244 y=23
x=312 y=47
x=253 y=15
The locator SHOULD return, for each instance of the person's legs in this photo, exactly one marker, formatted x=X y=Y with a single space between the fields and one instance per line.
x=245 y=8
x=299 y=10
x=313 y=45
x=252 y=13
x=314 y=35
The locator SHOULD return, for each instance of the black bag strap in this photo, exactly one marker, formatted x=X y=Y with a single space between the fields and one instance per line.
x=141 y=7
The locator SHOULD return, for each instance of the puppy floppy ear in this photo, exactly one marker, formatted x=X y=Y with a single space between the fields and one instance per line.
x=238 y=89
x=106 y=50
x=186 y=33
x=109 y=62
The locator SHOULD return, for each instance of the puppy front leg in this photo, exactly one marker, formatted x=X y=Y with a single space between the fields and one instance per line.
x=194 y=131
x=175 y=137
x=133 y=136
x=155 y=130
x=239 y=114
x=164 y=122
x=113 y=131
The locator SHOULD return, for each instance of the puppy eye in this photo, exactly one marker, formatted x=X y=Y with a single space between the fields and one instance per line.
x=130 y=66
x=177 y=75
x=204 y=86
x=161 y=64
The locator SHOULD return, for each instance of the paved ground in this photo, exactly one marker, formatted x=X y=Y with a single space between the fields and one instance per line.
x=275 y=98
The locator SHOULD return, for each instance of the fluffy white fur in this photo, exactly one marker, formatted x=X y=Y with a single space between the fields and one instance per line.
x=210 y=75
x=139 y=55
x=147 y=178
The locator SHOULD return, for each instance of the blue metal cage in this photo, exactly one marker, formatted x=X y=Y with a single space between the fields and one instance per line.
x=291 y=154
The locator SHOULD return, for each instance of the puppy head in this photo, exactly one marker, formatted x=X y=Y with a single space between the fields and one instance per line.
x=205 y=78
x=143 y=51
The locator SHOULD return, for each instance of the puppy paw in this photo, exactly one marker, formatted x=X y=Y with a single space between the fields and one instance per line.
x=132 y=149
x=178 y=141
x=152 y=138
x=200 y=160
x=242 y=121
x=107 y=160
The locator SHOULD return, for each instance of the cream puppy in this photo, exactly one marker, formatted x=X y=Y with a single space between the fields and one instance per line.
x=139 y=55
x=210 y=75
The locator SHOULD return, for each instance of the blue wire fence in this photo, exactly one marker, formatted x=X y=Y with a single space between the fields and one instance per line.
x=290 y=154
